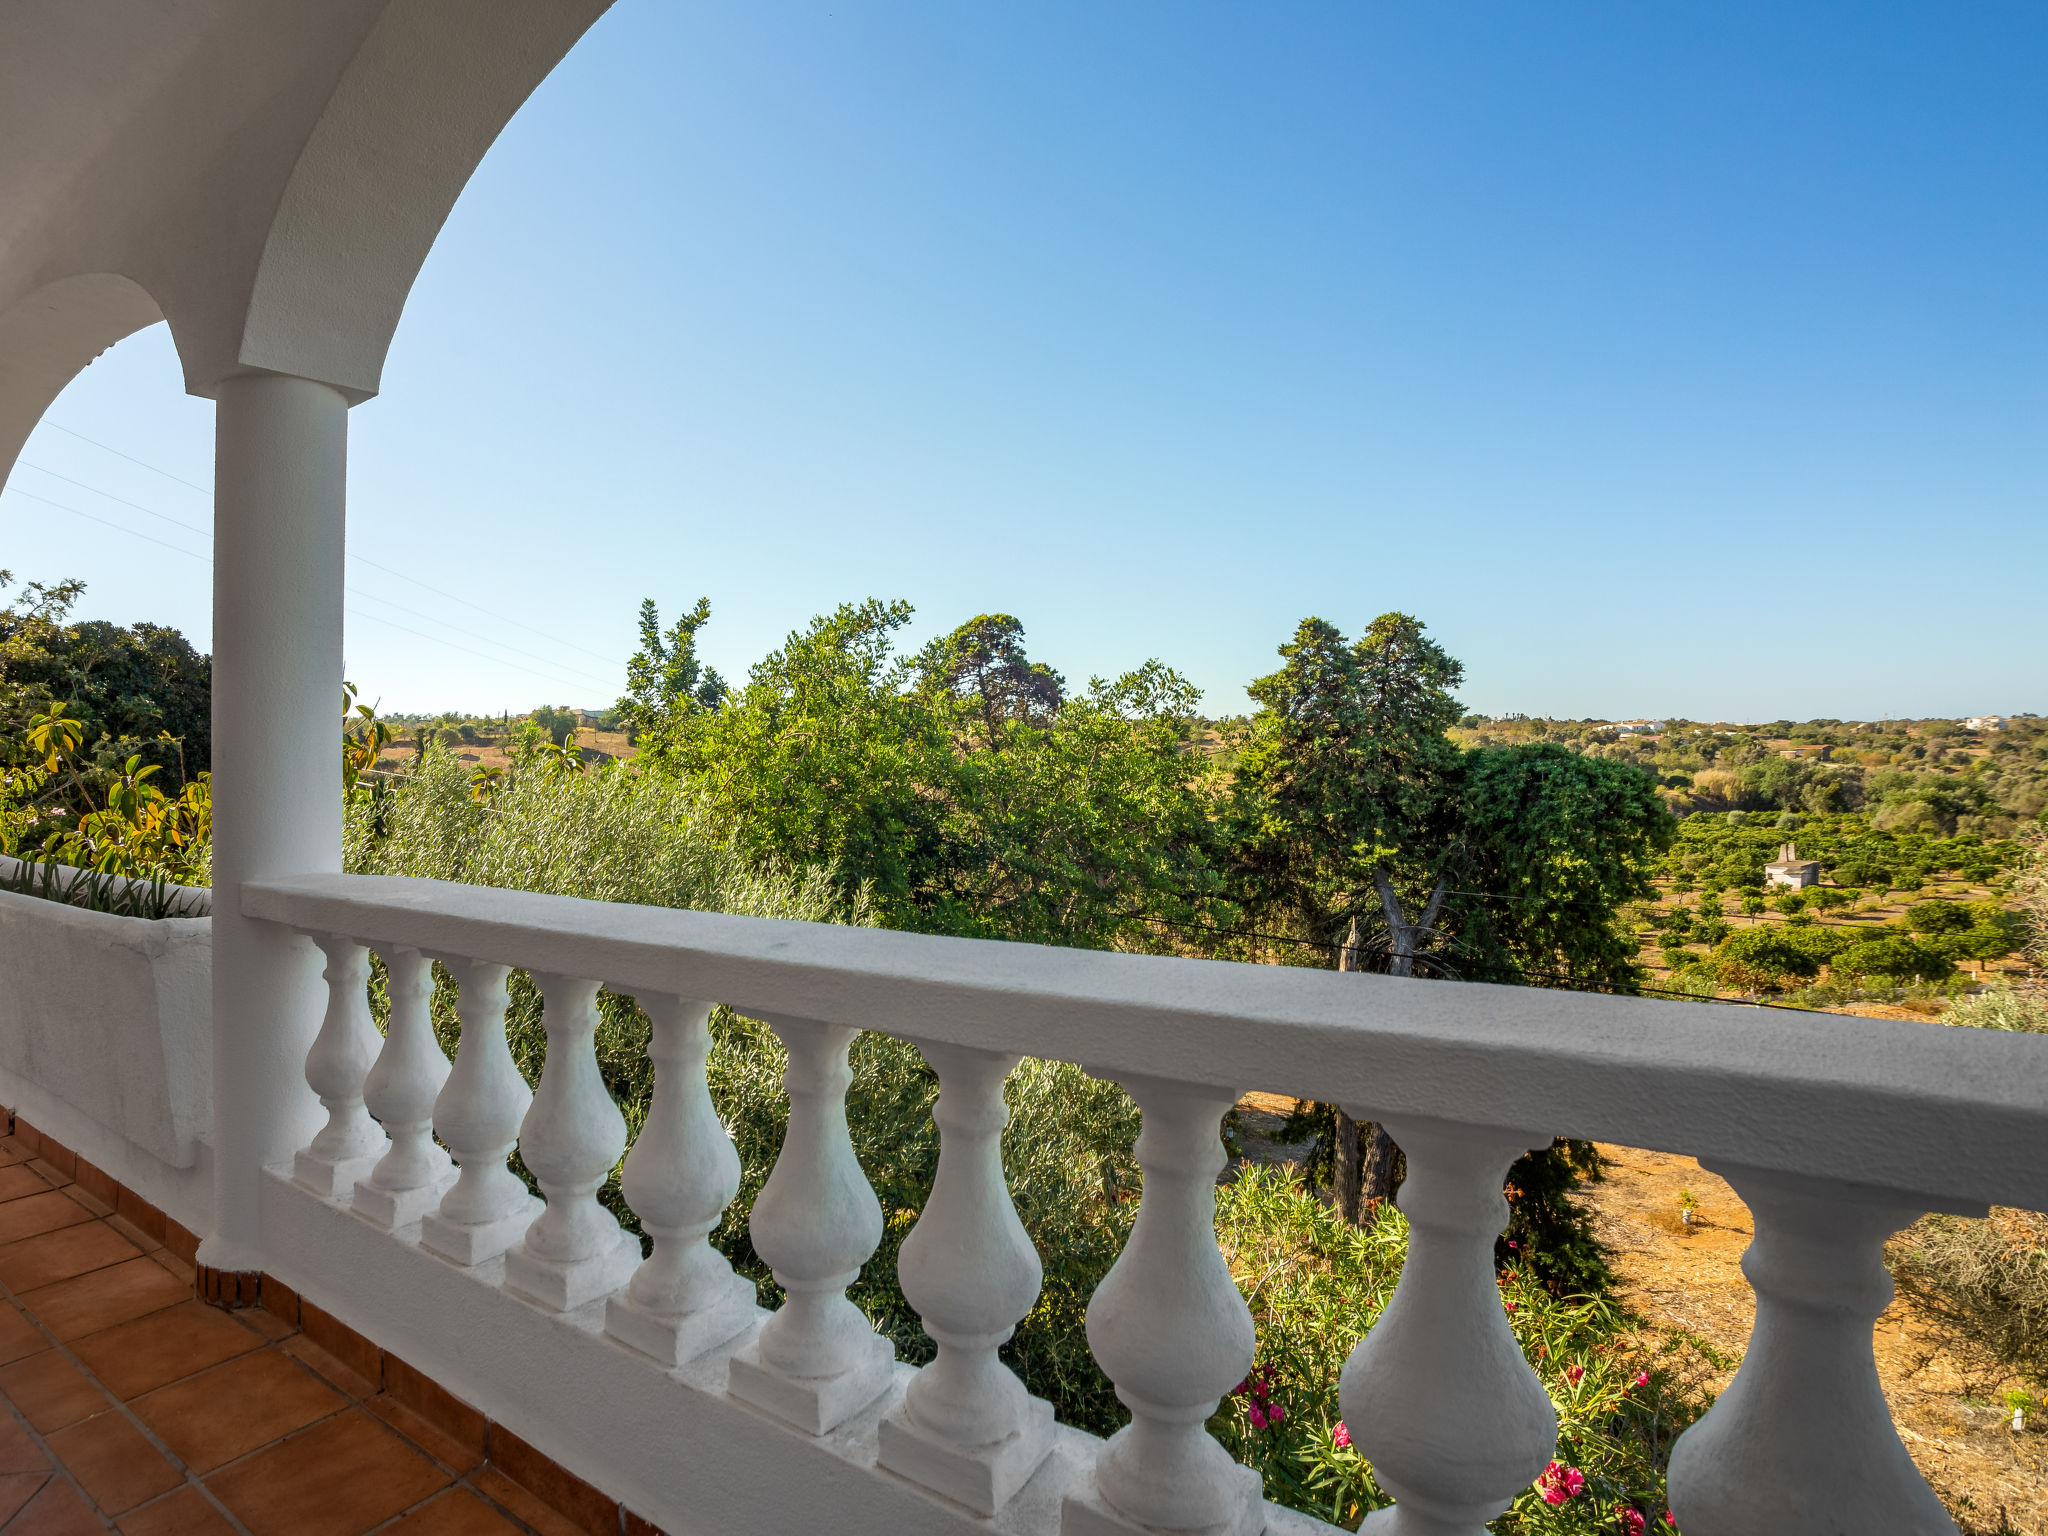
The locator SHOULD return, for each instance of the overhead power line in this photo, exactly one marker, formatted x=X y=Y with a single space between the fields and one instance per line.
x=573 y=674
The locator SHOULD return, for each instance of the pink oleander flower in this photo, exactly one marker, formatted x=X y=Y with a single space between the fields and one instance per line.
x=1238 y=1390
x=1631 y=1521
x=1258 y=1417
x=1642 y=1378
x=1560 y=1483
x=1340 y=1436
x=1509 y=1305
x=1575 y=1374
x=1669 y=1521
x=1276 y=1413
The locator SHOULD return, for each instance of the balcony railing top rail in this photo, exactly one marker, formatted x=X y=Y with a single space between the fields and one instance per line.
x=1948 y=1115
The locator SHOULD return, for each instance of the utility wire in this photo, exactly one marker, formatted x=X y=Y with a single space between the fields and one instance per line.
x=373 y=617
x=362 y=559
x=117 y=453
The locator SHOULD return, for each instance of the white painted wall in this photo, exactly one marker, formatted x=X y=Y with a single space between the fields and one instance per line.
x=106 y=1042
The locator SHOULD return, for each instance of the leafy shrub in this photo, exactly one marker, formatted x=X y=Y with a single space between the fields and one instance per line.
x=1316 y=1286
x=1762 y=959
x=1895 y=958
x=1983 y=1284
x=96 y=891
x=2003 y=1007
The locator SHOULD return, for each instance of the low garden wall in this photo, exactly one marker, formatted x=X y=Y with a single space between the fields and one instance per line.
x=106 y=1039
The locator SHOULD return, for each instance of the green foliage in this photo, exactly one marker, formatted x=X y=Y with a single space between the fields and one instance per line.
x=1554 y=843
x=560 y=724
x=1763 y=959
x=1935 y=918
x=1316 y=1286
x=665 y=682
x=1896 y=959
x=139 y=691
x=2002 y=1007
x=1348 y=772
x=95 y=891
x=962 y=787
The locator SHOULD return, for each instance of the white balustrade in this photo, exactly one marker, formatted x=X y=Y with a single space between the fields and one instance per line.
x=967 y=1427
x=816 y=1362
x=348 y=1146
x=477 y=1113
x=683 y=1171
x=1168 y=1327
x=1438 y=1397
x=1802 y=1439
x=571 y=1139
x=400 y=1092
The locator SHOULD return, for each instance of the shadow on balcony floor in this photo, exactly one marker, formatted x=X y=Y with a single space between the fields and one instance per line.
x=132 y=1406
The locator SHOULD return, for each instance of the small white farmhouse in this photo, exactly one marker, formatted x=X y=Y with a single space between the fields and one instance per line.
x=1788 y=869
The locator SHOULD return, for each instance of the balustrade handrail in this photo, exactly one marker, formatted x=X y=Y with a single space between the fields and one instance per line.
x=1948 y=1114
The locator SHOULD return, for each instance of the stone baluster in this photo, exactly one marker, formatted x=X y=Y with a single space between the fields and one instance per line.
x=684 y=1298
x=1439 y=1397
x=967 y=1427
x=1802 y=1439
x=400 y=1092
x=571 y=1139
x=348 y=1146
x=816 y=1362
x=477 y=1113
x=1168 y=1327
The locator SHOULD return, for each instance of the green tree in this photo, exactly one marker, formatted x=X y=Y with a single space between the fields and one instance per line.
x=560 y=725
x=1895 y=959
x=1345 y=793
x=1935 y=918
x=666 y=683
x=982 y=664
x=140 y=690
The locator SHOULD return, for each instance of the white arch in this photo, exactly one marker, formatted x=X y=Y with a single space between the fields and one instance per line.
x=267 y=177
x=48 y=336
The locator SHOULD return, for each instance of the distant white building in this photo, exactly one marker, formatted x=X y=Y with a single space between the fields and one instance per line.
x=1986 y=723
x=1791 y=871
x=1637 y=727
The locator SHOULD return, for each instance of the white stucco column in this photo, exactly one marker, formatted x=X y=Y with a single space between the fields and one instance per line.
x=280 y=471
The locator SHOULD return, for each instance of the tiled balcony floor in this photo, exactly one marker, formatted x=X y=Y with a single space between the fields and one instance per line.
x=131 y=1406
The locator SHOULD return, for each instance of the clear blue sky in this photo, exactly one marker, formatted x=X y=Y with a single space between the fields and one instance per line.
x=1673 y=360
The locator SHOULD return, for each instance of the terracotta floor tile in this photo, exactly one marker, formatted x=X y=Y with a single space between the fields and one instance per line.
x=437 y=1443
x=264 y=1321
x=57 y=1511
x=53 y=1256
x=113 y=1462
x=12 y=1151
x=85 y=1197
x=104 y=1298
x=340 y=1478
x=133 y=1233
x=39 y=1213
x=18 y=1452
x=458 y=1512
x=187 y=1512
x=210 y=1419
x=153 y=1351
x=50 y=1391
x=299 y=1347
x=178 y=1269
x=52 y=1175
x=16 y=1489
x=18 y=1179
x=500 y=1489
x=18 y=1336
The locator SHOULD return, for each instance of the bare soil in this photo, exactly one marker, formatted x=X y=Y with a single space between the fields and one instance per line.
x=1678 y=1276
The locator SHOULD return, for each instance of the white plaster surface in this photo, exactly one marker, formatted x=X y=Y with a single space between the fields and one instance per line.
x=1895 y=1104
x=113 y=1017
x=673 y=1444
